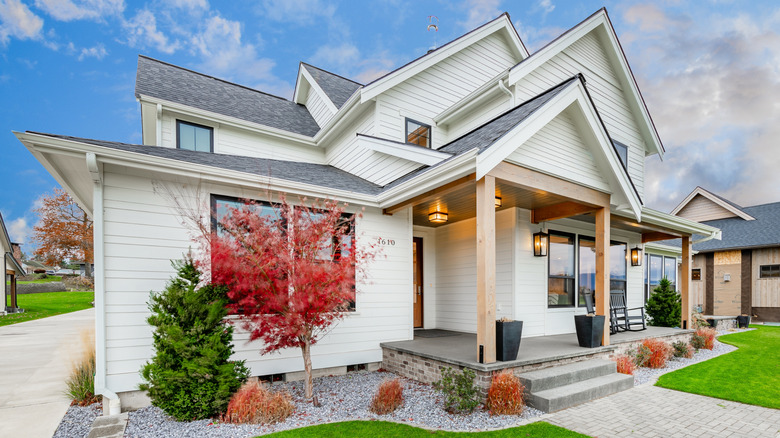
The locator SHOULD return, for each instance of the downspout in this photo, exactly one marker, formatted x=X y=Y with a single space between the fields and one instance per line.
x=158 y=134
x=111 y=403
x=508 y=92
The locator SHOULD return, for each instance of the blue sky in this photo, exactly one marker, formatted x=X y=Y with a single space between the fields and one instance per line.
x=709 y=71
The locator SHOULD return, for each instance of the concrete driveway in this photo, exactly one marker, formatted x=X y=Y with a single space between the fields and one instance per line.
x=35 y=360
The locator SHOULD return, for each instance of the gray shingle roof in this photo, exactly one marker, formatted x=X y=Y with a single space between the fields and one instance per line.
x=337 y=88
x=308 y=173
x=739 y=233
x=176 y=84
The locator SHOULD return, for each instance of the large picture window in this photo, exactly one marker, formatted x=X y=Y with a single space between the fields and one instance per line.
x=618 y=267
x=670 y=270
x=560 y=290
x=194 y=137
x=332 y=250
x=587 y=263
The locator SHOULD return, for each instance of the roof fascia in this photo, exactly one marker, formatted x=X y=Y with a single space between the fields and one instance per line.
x=135 y=160
x=18 y=267
x=457 y=167
x=472 y=100
x=227 y=120
x=652 y=246
x=4 y=230
x=573 y=93
x=600 y=19
x=389 y=81
x=655 y=217
x=316 y=87
x=711 y=196
x=417 y=154
x=299 y=84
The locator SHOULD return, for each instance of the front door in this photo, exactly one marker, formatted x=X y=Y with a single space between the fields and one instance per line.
x=418 y=282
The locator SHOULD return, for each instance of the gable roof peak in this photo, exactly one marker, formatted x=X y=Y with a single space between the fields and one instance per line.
x=726 y=204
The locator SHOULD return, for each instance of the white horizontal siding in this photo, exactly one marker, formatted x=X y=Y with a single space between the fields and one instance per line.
x=558 y=149
x=318 y=108
x=478 y=116
x=586 y=56
x=142 y=235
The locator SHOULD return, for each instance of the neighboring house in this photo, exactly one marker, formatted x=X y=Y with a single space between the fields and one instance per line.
x=739 y=274
x=32 y=266
x=12 y=269
x=460 y=159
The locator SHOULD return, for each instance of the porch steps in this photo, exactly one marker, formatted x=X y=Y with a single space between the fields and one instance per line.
x=561 y=387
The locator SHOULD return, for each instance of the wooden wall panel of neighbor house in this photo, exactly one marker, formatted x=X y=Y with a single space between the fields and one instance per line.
x=587 y=57
x=702 y=209
x=456 y=272
x=697 y=290
x=766 y=291
x=435 y=89
x=143 y=234
x=728 y=294
x=557 y=149
x=318 y=108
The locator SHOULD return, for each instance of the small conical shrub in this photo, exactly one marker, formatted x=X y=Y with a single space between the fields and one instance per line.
x=191 y=375
x=664 y=307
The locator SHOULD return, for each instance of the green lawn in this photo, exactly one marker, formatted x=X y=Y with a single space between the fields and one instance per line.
x=386 y=429
x=38 y=306
x=749 y=375
x=48 y=279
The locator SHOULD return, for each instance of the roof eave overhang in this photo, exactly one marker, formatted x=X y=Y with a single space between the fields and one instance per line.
x=49 y=145
x=14 y=263
x=681 y=225
x=413 y=153
x=472 y=100
x=599 y=20
x=711 y=196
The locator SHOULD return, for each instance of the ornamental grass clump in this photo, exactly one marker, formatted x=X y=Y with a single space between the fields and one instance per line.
x=682 y=349
x=625 y=364
x=389 y=397
x=81 y=382
x=256 y=403
x=505 y=396
x=653 y=353
x=704 y=338
x=460 y=393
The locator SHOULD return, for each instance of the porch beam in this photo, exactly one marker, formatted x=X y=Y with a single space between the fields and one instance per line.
x=427 y=196
x=685 y=282
x=486 y=269
x=559 y=211
x=528 y=179
x=602 y=269
x=655 y=236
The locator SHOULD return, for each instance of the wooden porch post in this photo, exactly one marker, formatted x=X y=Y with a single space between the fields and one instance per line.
x=685 y=282
x=602 y=268
x=486 y=269
x=14 y=304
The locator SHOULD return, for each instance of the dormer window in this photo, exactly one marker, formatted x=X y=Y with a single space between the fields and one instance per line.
x=194 y=137
x=418 y=133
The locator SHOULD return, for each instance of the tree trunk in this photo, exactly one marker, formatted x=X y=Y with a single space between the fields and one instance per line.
x=306 y=349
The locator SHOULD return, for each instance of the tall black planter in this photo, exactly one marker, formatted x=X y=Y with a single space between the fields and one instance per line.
x=508 y=336
x=590 y=329
x=743 y=321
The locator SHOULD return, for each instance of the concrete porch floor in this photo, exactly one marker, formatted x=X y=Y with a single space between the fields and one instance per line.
x=461 y=348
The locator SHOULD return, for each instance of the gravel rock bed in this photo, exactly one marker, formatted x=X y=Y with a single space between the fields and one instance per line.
x=342 y=398
x=77 y=421
x=650 y=375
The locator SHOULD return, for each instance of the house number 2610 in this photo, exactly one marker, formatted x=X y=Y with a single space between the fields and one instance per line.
x=386 y=242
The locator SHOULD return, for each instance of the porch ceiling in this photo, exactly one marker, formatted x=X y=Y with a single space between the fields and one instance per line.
x=461 y=203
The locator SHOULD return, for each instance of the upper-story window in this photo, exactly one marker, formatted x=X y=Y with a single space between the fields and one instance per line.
x=194 y=137
x=622 y=151
x=418 y=133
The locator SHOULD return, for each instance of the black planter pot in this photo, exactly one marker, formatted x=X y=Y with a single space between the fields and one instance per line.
x=590 y=329
x=508 y=336
x=743 y=321
x=713 y=323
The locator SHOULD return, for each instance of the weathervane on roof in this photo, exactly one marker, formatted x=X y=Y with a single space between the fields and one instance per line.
x=433 y=25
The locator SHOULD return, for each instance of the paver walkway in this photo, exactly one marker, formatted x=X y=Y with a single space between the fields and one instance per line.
x=651 y=411
x=35 y=360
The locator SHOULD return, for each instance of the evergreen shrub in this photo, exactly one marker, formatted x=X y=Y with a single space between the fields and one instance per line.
x=664 y=307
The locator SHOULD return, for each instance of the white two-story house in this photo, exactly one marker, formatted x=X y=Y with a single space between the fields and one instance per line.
x=462 y=159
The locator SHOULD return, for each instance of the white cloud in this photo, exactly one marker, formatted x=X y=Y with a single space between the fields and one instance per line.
x=18 y=230
x=341 y=55
x=346 y=59
x=303 y=12
x=142 y=31
x=69 y=10
x=546 y=6
x=98 y=52
x=16 y=20
x=480 y=12
x=190 y=4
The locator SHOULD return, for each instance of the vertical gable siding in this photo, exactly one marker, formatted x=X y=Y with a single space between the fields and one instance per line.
x=432 y=91
x=587 y=57
x=558 y=149
x=701 y=209
x=318 y=108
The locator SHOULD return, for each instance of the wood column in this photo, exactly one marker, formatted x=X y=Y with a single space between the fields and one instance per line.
x=602 y=268
x=486 y=269
x=685 y=282
x=13 y=291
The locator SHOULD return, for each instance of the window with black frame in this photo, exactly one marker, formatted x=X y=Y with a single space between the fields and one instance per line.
x=670 y=271
x=418 y=133
x=560 y=289
x=332 y=250
x=618 y=266
x=587 y=263
x=194 y=137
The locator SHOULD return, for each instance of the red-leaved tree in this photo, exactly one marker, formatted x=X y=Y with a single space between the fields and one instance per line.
x=290 y=271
